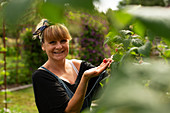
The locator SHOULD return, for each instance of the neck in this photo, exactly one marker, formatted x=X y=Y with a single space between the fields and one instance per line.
x=59 y=66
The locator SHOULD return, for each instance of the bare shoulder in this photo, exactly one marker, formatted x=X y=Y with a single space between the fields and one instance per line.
x=77 y=63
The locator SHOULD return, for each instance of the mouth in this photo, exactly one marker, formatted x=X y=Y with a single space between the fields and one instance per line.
x=60 y=52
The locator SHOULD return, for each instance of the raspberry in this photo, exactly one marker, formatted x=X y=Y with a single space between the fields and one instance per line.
x=105 y=61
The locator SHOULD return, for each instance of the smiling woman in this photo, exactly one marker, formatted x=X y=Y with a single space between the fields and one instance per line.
x=63 y=85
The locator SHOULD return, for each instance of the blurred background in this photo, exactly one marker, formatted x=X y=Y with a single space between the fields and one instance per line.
x=135 y=32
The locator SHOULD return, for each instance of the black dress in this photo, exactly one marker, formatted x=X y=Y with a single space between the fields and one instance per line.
x=51 y=97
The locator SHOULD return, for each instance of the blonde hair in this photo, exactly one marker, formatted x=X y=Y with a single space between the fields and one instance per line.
x=53 y=32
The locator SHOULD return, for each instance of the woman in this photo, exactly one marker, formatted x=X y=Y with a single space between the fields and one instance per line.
x=63 y=85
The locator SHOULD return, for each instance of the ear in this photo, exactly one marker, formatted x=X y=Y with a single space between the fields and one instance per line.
x=43 y=47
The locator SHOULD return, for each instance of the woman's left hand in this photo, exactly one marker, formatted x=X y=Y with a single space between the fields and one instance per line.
x=97 y=70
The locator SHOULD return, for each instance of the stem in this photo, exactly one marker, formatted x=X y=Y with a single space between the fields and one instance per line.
x=160 y=51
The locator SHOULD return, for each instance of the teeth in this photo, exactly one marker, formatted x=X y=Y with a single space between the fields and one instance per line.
x=58 y=52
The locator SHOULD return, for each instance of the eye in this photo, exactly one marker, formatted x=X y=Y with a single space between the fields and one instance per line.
x=52 y=42
x=63 y=41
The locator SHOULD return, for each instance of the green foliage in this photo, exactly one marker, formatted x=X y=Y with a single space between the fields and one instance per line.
x=145 y=49
x=167 y=53
x=32 y=53
x=137 y=89
x=13 y=10
x=11 y=51
x=117 y=21
x=137 y=86
x=124 y=43
x=21 y=65
x=141 y=30
x=54 y=10
x=14 y=75
x=157 y=22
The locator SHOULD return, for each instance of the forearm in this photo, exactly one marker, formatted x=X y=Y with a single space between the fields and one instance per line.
x=76 y=102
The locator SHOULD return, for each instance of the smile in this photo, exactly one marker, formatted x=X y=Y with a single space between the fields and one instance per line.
x=58 y=52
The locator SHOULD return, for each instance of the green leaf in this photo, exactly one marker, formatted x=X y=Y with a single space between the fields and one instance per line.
x=14 y=10
x=157 y=19
x=133 y=53
x=3 y=49
x=1 y=62
x=85 y=4
x=126 y=43
x=118 y=39
x=139 y=28
x=1 y=82
x=137 y=42
x=78 y=4
x=2 y=72
x=53 y=12
x=125 y=32
x=117 y=57
x=145 y=49
x=118 y=19
x=6 y=38
x=167 y=53
x=106 y=40
x=150 y=35
x=125 y=56
x=114 y=67
x=111 y=39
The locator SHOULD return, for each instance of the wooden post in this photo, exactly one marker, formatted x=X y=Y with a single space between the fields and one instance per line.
x=5 y=82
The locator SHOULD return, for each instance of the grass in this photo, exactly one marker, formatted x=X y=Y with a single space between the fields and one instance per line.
x=22 y=101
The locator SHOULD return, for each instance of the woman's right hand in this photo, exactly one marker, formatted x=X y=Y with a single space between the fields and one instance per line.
x=93 y=72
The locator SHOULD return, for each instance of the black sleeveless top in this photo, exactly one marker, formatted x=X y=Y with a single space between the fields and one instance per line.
x=51 y=97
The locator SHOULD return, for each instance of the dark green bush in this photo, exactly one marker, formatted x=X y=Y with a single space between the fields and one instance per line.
x=33 y=55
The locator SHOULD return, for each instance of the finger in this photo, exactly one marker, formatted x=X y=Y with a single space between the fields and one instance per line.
x=104 y=66
x=107 y=62
x=110 y=62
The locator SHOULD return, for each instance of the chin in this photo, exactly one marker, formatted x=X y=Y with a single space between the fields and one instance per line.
x=61 y=58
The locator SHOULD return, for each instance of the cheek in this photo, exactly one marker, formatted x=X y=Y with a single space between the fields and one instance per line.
x=68 y=47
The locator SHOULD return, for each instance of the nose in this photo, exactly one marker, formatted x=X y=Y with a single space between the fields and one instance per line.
x=58 y=45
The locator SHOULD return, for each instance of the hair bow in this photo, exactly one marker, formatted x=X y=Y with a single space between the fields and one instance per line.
x=38 y=32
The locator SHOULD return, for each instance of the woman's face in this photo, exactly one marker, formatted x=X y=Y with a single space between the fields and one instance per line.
x=56 y=49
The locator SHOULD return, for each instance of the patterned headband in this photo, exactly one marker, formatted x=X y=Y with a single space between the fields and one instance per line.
x=39 y=31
